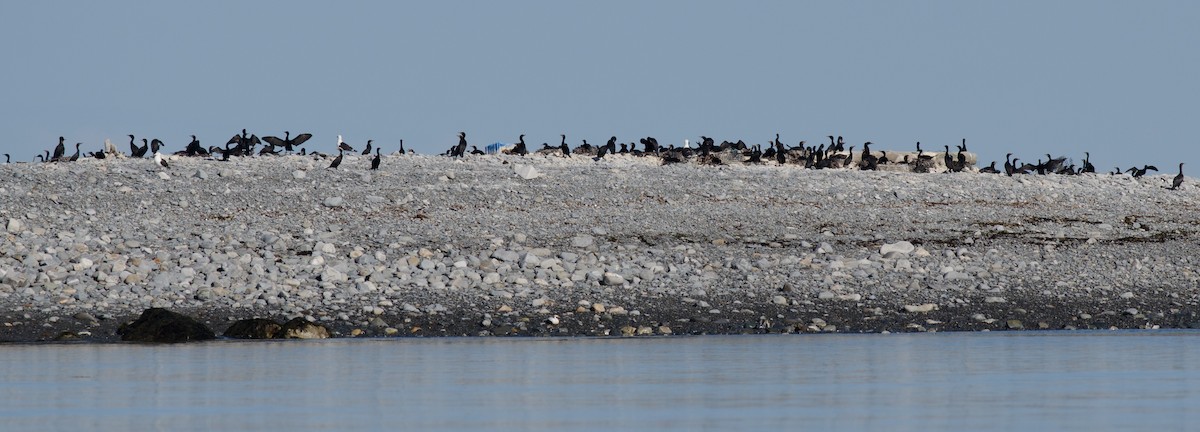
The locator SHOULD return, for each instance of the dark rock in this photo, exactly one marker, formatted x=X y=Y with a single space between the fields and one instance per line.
x=300 y=328
x=254 y=328
x=163 y=326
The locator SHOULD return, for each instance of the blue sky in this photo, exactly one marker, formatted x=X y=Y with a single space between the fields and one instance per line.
x=1028 y=77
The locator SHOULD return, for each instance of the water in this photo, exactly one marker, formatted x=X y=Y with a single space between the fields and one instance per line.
x=962 y=381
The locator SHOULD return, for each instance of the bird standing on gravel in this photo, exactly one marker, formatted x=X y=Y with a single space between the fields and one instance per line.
x=337 y=160
x=158 y=159
x=375 y=161
x=1178 y=178
x=59 y=150
x=460 y=149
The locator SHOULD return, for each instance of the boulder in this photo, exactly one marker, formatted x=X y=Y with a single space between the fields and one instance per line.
x=897 y=248
x=254 y=328
x=526 y=172
x=159 y=325
x=300 y=328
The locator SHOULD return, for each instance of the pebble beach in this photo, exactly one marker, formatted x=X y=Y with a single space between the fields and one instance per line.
x=501 y=245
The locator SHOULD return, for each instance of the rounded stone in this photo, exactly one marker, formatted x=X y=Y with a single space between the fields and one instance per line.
x=901 y=247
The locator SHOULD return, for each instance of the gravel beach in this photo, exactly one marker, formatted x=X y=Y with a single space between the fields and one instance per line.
x=433 y=246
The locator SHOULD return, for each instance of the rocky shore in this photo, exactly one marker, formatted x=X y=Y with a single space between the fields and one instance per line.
x=548 y=246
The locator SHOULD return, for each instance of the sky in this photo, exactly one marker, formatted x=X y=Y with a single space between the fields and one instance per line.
x=1118 y=79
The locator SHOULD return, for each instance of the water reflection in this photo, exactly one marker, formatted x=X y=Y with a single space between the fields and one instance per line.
x=1009 y=381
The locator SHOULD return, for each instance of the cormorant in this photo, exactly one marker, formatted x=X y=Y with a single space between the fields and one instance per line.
x=75 y=156
x=1009 y=168
x=195 y=149
x=1141 y=172
x=402 y=147
x=140 y=152
x=990 y=169
x=1087 y=164
x=566 y=150
x=476 y=151
x=519 y=149
x=1178 y=178
x=461 y=148
x=59 y=150
x=866 y=160
x=367 y=150
x=1054 y=165
x=337 y=160
x=288 y=142
x=375 y=161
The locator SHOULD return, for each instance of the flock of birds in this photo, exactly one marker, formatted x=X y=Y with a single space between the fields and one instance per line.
x=834 y=156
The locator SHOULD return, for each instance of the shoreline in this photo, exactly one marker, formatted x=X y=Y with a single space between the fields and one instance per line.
x=471 y=248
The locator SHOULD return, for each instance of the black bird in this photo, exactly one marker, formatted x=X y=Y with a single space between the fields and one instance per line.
x=155 y=145
x=476 y=151
x=460 y=149
x=337 y=160
x=1054 y=165
x=141 y=151
x=375 y=161
x=133 y=148
x=1087 y=164
x=566 y=150
x=59 y=150
x=75 y=156
x=194 y=148
x=1142 y=171
x=288 y=142
x=367 y=150
x=1009 y=168
x=401 y=147
x=1178 y=178
x=7 y=158
x=519 y=149
x=990 y=169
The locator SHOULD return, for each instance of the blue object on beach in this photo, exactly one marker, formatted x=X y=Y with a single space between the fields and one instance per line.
x=495 y=148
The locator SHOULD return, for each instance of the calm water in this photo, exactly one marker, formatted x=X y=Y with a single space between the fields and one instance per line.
x=963 y=381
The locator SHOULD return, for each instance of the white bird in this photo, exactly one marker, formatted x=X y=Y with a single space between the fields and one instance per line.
x=159 y=160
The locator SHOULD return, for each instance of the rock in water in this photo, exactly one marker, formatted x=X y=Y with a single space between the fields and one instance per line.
x=300 y=328
x=254 y=328
x=163 y=326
